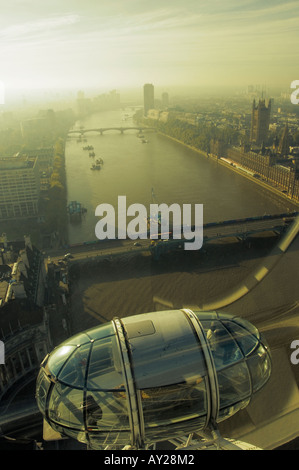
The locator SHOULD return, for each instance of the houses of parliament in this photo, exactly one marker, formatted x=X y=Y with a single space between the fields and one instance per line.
x=273 y=164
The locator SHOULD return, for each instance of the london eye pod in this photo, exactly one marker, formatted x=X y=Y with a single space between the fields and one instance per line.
x=151 y=377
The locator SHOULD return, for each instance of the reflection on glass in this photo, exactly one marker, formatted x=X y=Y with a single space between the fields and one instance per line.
x=260 y=366
x=223 y=347
x=58 y=357
x=99 y=440
x=248 y=326
x=246 y=340
x=225 y=413
x=234 y=384
x=172 y=354
x=175 y=402
x=106 y=410
x=66 y=406
x=42 y=387
x=74 y=370
x=105 y=370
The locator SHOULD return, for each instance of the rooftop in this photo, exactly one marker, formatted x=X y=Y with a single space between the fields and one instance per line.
x=16 y=162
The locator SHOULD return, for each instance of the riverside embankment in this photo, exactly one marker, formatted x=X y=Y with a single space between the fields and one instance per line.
x=265 y=185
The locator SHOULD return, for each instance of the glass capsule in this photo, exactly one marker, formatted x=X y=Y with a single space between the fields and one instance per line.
x=151 y=377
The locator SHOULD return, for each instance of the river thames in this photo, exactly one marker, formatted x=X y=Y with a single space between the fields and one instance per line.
x=175 y=173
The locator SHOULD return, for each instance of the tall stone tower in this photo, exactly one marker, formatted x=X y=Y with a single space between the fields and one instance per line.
x=260 y=120
x=148 y=97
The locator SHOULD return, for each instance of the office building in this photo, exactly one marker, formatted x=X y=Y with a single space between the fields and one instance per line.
x=148 y=97
x=165 y=100
x=19 y=187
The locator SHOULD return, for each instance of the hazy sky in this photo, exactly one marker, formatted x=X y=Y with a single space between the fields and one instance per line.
x=120 y=43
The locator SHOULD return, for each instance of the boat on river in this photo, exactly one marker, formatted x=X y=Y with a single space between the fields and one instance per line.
x=75 y=211
x=95 y=166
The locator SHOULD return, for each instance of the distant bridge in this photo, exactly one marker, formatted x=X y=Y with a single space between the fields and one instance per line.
x=104 y=129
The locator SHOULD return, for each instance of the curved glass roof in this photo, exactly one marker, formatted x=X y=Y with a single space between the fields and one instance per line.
x=150 y=377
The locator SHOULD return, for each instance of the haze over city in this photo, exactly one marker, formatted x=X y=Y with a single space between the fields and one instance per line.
x=118 y=44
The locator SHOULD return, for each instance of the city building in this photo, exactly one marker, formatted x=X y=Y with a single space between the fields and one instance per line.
x=284 y=145
x=165 y=100
x=19 y=187
x=38 y=128
x=26 y=344
x=269 y=167
x=260 y=120
x=45 y=156
x=45 y=159
x=148 y=97
x=23 y=319
x=218 y=148
x=32 y=321
x=103 y=102
x=22 y=273
x=106 y=101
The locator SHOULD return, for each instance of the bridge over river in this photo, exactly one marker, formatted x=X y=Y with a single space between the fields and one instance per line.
x=100 y=130
x=238 y=230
